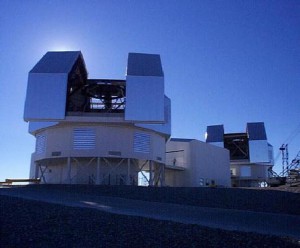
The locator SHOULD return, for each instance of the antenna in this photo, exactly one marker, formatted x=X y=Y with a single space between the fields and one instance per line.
x=285 y=158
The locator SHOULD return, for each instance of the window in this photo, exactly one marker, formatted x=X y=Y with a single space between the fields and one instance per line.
x=201 y=182
x=233 y=171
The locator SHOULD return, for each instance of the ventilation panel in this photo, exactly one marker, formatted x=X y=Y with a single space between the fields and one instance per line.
x=141 y=143
x=84 y=139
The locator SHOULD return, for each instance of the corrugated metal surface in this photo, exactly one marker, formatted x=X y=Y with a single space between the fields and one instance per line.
x=144 y=65
x=141 y=142
x=56 y=62
x=256 y=131
x=40 y=146
x=215 y=133
x=84 y=139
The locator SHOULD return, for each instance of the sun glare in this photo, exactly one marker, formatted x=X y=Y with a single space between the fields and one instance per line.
x=63 y=46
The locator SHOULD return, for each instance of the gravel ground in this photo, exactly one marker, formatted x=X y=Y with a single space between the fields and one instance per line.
x=26 y=223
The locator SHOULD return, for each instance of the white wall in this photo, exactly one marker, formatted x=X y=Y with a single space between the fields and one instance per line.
x=210 y=163
x=109 y=138
x=203 y=163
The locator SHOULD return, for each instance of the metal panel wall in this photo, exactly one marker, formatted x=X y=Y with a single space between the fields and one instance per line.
x=56 y=62
x=259 y=151
x=162 y=128
x=256 y=131
x=271 y=153
x=46 y=96
x=145 y=99
x=140 y=64
x=215 y=133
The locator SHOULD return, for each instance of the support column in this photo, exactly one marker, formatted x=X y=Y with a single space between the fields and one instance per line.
x=43 y=168
x=128 y=172
x=36 y=172
x=98 y=170
x=151 y=173
x=162 y=179
x=69 y=170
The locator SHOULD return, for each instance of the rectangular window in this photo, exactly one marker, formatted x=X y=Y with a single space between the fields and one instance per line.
x=141 y=142
x=84 y=139
x=201 y=182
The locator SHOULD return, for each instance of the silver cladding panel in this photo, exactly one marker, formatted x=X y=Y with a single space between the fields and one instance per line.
x=215 y=133
x=162 y=128
x=46 y=96
x=271 y=153
x=56 y=62
x=256 y=131
x=145 y=99
x=259 y=151
x=144 y=65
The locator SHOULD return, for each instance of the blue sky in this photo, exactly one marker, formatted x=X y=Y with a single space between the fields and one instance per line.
x=225 y=62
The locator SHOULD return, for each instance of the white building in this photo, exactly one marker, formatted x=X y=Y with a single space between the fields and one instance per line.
x=108 y=131
x=250 y=153
x=193 y=163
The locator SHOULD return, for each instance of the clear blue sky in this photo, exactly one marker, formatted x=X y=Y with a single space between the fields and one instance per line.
x=225 y=62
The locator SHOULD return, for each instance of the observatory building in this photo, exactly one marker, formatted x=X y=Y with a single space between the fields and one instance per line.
x=112 y=131
x=250 y=153
x=98 y=131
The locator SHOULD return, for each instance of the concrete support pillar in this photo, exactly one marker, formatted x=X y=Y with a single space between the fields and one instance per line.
x=128 y=172
x=98 y=171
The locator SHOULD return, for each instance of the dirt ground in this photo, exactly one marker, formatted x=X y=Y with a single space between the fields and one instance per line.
x=26 y=223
